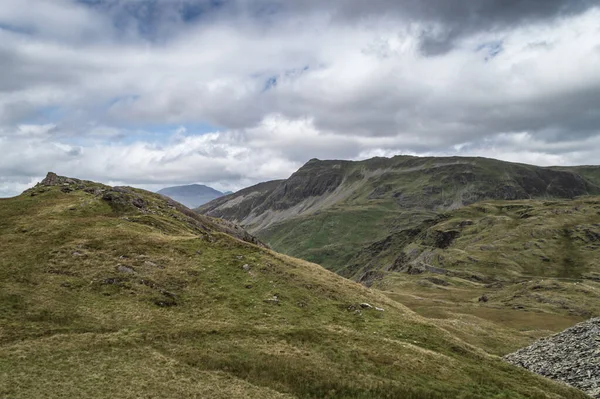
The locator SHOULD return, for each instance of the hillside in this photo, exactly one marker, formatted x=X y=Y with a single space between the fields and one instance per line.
x=496 y=240
x=114 y=292
x=328 y=210
x=524 y=265
x=192 y=195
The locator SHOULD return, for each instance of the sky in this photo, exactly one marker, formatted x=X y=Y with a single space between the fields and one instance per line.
x=154 y=93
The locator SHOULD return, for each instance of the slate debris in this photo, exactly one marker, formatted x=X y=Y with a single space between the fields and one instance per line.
x=572 y=356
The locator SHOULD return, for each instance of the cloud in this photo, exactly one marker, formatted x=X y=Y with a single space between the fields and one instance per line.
x=97 y=88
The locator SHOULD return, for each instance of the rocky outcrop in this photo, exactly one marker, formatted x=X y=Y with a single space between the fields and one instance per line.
x=572 y=356
x=130 y=202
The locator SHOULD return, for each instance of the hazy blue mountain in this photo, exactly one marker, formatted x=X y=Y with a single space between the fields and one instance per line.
x=192 y=195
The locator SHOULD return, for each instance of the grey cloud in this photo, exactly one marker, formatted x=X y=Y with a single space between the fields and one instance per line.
x=442 y=22
x=452 y=19
x=367 y=88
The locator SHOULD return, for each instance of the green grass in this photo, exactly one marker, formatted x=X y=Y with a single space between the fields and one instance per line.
x=534 y=261
x=332 y=237
x=98 y=300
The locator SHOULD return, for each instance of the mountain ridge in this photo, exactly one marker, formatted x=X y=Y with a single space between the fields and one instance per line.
x=381 y=195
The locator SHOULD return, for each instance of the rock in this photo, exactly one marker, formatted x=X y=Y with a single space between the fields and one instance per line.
x=246 y=267
x=422 y=268
x=379 y=309
x=370 y=277
x=273 y=301
x=51 y=179
x=442 y=239
x=366 y=306
x=125 y=269
x=571 y=356
x=165 y=303
x=483 y=298
x=138 y=202
x=437 y=281
x=120 y=198
x=152 y=264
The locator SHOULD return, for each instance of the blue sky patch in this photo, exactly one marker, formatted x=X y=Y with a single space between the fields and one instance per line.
x=491 y=49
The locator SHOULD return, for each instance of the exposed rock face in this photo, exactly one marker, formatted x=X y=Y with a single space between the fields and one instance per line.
x=572 y=356
x=51 y=179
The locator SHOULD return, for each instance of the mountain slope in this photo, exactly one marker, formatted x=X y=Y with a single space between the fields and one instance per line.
x=192 y=195
x=524 y=265
x=117 y=292
x=328 y=210
x=500 y=240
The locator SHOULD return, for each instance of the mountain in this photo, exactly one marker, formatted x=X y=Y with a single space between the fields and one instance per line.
x=495 y=252
x=192 y=195
x=328 y=211
x=116 y=292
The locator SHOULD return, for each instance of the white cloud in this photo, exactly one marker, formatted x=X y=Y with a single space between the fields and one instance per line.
x=83 y=95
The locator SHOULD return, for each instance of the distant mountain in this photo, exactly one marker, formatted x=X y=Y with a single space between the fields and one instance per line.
x=328 y=211
x=192 y=195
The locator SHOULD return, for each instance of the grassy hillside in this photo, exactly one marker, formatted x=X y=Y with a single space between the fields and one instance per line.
x=328 y=210
x=115 y=292
x=496 y=241
x=520 y=265
x=589 y=172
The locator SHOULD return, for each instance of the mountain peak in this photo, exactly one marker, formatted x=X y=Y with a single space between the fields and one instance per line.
x=52 y=179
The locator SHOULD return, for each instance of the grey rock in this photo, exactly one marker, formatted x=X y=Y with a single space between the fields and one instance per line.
x=572 y=356
x=125 y=269
x=246 y=267
x=152 y=264
x=366 y=306
x=273 y=301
